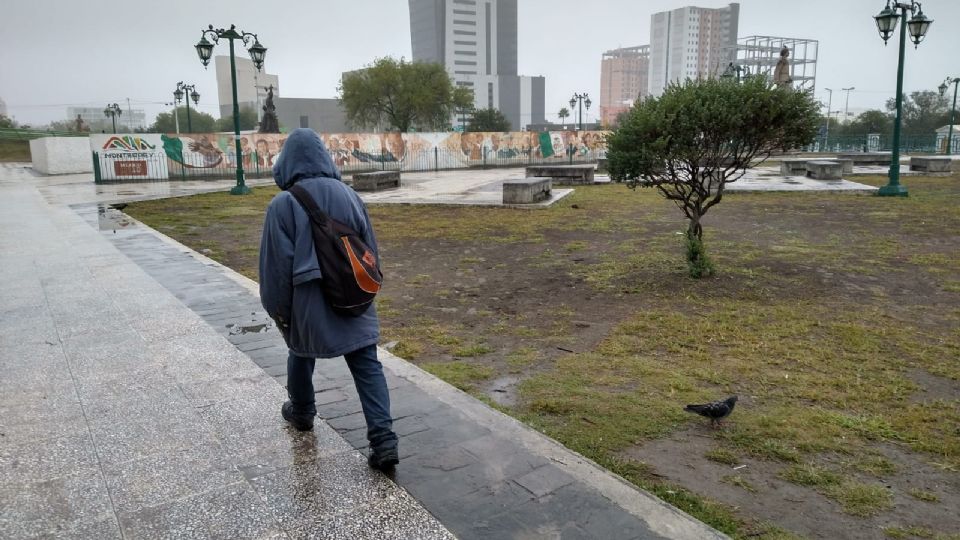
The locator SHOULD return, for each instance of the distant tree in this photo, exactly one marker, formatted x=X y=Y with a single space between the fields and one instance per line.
x=697 y=137
x=403 y=95
x=872 y=121
x=923 y=111
x=7 y=122
x=563 y=114
x=201 y=122
x=488 y=120
x=248 y=120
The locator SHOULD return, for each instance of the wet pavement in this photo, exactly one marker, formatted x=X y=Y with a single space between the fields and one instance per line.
x=125 y=415
x=149 y=408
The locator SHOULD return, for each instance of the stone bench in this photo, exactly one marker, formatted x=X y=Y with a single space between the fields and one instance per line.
x=867 y=158
x=526 y=191
x=931 y=164
x=824 y=169
x=563 y=174
x=376 y=181
x=793 y=167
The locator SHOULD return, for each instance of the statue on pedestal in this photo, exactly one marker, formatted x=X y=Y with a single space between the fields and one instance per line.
x=781 y=74
x=78 y=124
x=269 y=123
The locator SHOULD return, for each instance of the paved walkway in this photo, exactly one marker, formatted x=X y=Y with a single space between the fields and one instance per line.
x=192 y=443
x=125 y=415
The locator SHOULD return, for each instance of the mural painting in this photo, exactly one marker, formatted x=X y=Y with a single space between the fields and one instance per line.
x=196 y=154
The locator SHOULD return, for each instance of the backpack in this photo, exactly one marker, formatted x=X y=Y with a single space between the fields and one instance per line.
x=351 y=278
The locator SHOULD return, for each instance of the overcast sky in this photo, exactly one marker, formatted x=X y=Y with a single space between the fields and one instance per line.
x=58 y=53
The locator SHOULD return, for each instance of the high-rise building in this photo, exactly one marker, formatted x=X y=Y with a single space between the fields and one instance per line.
x=688 y=43
x=476 y=40
x=251 y=85
x=623 y=80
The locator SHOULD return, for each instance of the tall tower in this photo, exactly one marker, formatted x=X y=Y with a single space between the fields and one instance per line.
x=689 y=42
x=476 y=41
x=623 y=80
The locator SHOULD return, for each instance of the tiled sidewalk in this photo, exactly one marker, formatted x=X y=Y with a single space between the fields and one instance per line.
x=124 y=415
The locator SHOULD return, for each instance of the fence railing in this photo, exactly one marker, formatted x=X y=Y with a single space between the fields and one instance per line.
x=117 y=167
x=875 y=143
x=17 y=134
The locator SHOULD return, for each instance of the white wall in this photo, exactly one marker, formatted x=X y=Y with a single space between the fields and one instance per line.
x=61 y=155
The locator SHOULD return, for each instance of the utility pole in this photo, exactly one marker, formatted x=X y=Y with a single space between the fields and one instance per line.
x=826 y=133
x=846 y=106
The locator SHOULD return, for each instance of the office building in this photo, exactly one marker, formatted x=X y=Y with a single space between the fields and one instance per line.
x=623 y=80
x=689 y=43
x=323 y=115
x=476 y=40
x=760 y=54
x=251 y=85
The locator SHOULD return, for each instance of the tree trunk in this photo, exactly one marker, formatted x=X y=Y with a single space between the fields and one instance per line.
x=695 y=230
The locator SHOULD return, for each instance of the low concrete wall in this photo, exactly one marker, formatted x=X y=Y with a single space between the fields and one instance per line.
x=932 y=164
x=526 y=191
x=61 y=155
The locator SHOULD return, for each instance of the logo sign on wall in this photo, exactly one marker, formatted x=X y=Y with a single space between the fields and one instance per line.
x=130 y=157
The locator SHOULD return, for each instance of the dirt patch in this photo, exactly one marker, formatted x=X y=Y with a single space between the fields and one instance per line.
x=755 y=488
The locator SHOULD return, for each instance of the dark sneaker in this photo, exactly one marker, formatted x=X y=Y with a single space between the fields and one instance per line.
x=300 y=421
x=384 y=460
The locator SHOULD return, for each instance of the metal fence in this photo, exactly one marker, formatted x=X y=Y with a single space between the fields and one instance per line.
x=113 y=167
x=875 y=143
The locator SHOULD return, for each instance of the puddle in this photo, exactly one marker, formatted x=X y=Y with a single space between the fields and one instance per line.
x=503 y=390
x=239 y=329
x=110 y=218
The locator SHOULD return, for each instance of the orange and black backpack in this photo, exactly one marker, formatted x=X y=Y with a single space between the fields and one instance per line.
x=351 y=278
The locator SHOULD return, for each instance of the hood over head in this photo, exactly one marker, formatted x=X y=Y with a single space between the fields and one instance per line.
x=303 y=156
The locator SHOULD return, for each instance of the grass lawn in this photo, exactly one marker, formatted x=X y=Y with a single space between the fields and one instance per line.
x=834 y=317
x=14 y=150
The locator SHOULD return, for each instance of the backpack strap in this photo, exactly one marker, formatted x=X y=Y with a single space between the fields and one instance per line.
x=308 y=204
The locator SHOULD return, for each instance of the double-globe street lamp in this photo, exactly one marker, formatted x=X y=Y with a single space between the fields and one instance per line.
x=190 y=91
x=257 y=52
x=113 y=111
x=953 y=110
x=918 y=25
x=580 y=100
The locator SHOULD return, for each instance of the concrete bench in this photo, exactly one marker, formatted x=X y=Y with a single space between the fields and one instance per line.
x=824 y=169
x=793 y=167
x=563 y=174
x=867 y=158
x=526 y=191
x=931 y=164
x=847 y=164
x=376 y=181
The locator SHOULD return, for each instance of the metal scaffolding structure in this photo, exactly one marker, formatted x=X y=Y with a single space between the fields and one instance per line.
x=761 y=53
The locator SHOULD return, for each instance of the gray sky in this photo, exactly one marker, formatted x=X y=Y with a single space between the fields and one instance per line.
x=57 y=53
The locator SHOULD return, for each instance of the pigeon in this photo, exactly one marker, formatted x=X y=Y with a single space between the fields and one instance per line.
x=715 y=411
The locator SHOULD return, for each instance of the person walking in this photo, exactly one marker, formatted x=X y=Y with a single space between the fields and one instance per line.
x=291 y=293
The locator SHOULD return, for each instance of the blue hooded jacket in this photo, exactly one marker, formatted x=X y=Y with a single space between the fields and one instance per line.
x=289 y=272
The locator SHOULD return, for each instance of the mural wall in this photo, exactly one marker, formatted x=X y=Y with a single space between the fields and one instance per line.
x=195 y=153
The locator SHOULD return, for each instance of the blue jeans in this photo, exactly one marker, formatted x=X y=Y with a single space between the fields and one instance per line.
x=371 y=386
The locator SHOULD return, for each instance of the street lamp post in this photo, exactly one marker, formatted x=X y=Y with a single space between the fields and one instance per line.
x=846 y=106
x=886 y=23
x=579 y=100
x=113 y=111
x=953 y=110
x=257 y=53
x=191 y=93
